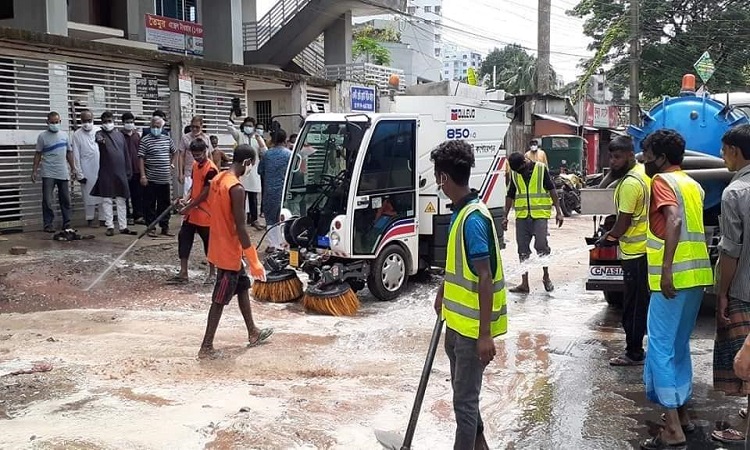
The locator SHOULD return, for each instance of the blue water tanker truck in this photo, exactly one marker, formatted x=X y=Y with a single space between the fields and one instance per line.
x=702 y=121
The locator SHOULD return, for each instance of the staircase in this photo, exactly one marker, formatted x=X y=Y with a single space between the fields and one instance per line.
x=285 y=33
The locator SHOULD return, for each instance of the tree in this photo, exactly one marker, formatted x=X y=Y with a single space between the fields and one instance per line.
x=515 y=69
x=368 y=43
x=673 y=35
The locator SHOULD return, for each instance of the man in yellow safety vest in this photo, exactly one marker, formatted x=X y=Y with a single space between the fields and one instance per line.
x=631 y=201
x=678 y=270
x=532 y=193
x=471 y=299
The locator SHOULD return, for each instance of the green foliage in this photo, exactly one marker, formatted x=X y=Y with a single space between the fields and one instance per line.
x=379 y=34
x=673 y=35
x=372 y=50
x=516 y=70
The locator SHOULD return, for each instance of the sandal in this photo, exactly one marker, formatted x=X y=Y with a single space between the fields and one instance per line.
x=623 y=361
x=152 y=234
x=548 y=286
x=264 y=334
x=728 y=436
x=166 y=232
x=689 y=428
x=657 y=443
x=209 y=280
x=128 y=231
x=177 y=280
x=210 y=354
x=519 y=290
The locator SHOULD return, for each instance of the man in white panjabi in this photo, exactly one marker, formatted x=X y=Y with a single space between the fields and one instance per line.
x=86 y=157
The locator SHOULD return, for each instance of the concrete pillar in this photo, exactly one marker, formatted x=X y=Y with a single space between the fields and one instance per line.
x=299 y=104
x=136 y=13
x=45 y=16
x=249 y=11
x=222 y=31
x=338 y=41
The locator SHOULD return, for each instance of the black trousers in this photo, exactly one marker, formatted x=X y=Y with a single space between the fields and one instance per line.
x=635 y=305
x=135 y=203
x=252 y=204
x=186 y=237
x=156 y=200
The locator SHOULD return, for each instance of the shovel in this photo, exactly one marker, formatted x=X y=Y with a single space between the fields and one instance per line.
x=392 y=440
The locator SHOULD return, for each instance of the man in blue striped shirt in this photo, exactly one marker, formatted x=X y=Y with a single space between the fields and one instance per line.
x=156 y=154
x=54 y=154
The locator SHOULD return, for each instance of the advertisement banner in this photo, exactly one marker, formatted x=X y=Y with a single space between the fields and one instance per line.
x=602 y=116
x=176 y=36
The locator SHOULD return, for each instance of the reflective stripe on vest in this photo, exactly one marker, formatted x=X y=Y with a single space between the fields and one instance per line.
x=461 y=285
x=533 y=200
x=691 y=266
x=633 y=241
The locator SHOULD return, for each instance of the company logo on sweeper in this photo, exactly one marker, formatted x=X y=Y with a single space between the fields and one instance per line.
x=463 y=114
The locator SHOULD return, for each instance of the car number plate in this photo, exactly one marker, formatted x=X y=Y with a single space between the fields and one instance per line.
x=605 y=273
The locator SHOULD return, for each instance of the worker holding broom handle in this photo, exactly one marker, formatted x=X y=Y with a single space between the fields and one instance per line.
x=229 y=245
x=472 y=297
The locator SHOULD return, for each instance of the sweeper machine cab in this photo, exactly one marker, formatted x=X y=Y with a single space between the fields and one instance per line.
x=360 y=202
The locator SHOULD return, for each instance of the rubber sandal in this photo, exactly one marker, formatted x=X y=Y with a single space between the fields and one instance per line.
x=264 y=334
x=548 y=286
x=718 y=435
x=624 y=361
x=518 y=290
x=152 y=234
x=177 y=280
x=689 y=428
x=128 y=232
x=209 y=280
x=210 y=354
x=167 y=233
x=657 y=443
x=742 y=413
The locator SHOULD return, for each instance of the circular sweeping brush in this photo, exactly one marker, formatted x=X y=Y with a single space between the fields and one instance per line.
x=281 y=286
x=335 y=299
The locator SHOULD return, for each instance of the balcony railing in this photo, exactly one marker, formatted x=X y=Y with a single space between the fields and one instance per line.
x=312 y=59
x=256 y=34
x=365 y=73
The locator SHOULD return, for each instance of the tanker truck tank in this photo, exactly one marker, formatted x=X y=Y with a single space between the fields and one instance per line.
x=702 y=121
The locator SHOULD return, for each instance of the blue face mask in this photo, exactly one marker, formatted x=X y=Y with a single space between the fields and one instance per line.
x=53 y=127
x=156 y=132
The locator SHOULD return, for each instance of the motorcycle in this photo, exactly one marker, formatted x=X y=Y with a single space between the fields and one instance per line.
x=569 y=187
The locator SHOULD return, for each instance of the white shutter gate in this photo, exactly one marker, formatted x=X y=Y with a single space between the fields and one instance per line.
x=31 y=85
x=212 y=99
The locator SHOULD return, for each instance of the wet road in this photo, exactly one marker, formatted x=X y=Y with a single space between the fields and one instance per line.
x=322 y=382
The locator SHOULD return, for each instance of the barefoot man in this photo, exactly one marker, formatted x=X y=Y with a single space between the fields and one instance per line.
x=229 y=245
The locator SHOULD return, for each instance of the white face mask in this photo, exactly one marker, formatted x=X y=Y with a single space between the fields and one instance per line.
x=441 y=194
x=260 y=131
x=129 y=126
x=534 y=148
x=249 y=130
x=87 y=126
x=108 y=126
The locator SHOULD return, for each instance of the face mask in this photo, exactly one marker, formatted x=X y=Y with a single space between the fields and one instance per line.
x=87 y=126
x=260 y=130
x=534 y=148
x=441 y=194
x=156 y=132
x=129 y=126
x=109 y=126
x=249 y=130
x=53 y=127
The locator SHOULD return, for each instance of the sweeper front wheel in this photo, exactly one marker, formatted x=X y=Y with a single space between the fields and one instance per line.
x=282 y=286
x=335 y=299
x=389 y=274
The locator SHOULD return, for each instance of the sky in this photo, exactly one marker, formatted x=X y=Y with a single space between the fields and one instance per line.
x=494 y=23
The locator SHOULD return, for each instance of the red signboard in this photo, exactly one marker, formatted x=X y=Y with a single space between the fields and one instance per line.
x=172 y=35
x=602 y=116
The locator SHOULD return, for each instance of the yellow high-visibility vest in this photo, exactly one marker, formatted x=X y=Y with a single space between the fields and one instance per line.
x=532 y=200
x=633 y=241
x=691 y=266
x=461 y=285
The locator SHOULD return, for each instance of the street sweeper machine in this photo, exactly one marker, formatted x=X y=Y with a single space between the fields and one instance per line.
x=361 y=205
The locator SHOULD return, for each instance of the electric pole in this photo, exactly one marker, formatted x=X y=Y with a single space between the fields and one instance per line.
x=543 y=38
x=635 y=61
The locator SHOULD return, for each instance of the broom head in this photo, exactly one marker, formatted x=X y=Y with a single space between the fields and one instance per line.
x=335 y=299
x=281 y=286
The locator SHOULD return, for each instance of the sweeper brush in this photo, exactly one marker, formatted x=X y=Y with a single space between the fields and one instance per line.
x=281 y=286
x=336 y=299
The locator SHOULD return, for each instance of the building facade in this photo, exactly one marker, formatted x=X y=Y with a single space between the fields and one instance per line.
x=457 y=61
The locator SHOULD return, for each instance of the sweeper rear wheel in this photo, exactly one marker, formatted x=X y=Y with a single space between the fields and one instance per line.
x=282 y=286
x=336 y=299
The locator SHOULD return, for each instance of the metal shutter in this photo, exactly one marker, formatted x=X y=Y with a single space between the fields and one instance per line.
x=212 y=99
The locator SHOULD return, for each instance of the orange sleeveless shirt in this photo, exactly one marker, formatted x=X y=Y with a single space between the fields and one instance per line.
x=224 y=248
x=200 y=215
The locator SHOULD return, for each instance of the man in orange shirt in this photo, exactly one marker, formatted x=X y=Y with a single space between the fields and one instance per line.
x=230 y=244
x=197 y=216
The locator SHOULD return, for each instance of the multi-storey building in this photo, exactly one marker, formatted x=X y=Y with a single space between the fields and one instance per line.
x=457 y=61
